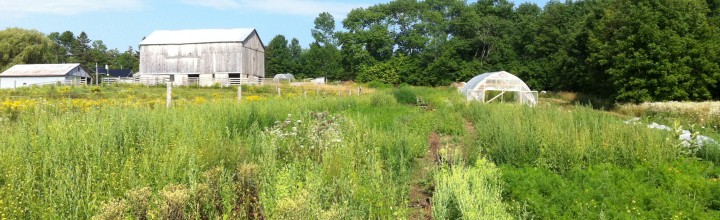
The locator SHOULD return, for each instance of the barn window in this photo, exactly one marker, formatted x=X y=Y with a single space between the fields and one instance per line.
x=234 y=75
x=193 y=78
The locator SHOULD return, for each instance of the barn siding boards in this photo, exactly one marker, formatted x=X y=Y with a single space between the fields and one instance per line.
x=196 y=58
x=217 y=52
x=255 y=56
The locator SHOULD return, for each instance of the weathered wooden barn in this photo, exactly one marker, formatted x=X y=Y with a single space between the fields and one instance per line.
x=204 y=56
x=41 y=74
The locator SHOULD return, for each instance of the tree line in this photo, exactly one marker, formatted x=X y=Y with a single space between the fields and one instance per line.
x=21 y=46
x=624 y=50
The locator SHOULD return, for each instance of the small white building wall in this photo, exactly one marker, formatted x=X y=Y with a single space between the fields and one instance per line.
x=9 y=82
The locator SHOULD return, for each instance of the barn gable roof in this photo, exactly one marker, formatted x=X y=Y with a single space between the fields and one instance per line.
x=41 y=70
x=175 y=37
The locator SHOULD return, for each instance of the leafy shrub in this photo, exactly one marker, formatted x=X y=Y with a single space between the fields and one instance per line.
x=138 y=201
x=111 y=210
x=174 y=202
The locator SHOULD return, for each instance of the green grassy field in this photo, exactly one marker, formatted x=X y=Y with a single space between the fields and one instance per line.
x=116 y=152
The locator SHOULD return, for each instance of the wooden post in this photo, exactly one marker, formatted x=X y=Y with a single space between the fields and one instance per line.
x=278 y=91
x=168 y=99
x=359 y=90
x=239 y=93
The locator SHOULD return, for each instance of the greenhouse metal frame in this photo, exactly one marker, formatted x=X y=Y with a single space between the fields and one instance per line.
x=501 y=82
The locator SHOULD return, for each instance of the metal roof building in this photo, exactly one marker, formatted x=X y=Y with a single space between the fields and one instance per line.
x=205 y=56
x=40 y=74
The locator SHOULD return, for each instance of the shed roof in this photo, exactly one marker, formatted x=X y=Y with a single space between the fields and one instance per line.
x=174 y=37
x=40 y=69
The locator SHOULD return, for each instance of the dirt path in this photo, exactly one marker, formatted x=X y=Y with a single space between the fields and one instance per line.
x=421 y=185
x=469 y=128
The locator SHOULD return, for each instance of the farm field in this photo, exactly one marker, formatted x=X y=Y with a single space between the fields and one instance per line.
x=116 y=152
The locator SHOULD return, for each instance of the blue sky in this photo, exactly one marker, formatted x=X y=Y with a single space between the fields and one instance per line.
x=123 y=23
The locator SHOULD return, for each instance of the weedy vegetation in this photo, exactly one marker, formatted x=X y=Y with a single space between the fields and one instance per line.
x=116 y=152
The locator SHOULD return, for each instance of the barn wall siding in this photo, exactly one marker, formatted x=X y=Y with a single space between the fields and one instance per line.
x=205 y=58
x=254 y=58
x=8 y=82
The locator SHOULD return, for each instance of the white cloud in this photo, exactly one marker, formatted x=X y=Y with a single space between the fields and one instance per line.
x=18 y=8
x=292 y=7
x=218 y=4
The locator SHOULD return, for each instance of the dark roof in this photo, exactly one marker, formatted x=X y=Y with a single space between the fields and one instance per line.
x=117 y=72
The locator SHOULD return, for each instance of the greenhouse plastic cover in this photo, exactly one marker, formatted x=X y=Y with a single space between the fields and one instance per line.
x=495 y=81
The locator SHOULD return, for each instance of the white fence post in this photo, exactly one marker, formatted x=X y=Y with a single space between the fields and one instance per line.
x=168 y=100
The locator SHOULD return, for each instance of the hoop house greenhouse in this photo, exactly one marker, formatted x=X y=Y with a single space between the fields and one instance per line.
x=499 y=86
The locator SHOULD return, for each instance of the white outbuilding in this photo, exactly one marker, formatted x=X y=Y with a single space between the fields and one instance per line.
x=41 y=74
x=492 y=86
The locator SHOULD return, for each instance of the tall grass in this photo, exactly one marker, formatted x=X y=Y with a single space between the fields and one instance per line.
x=472 y=192
x=351 y=162
x=119 y=153
x=560 y=139
x=560 y=162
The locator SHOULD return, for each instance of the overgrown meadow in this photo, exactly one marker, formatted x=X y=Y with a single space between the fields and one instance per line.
x=116 y=152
